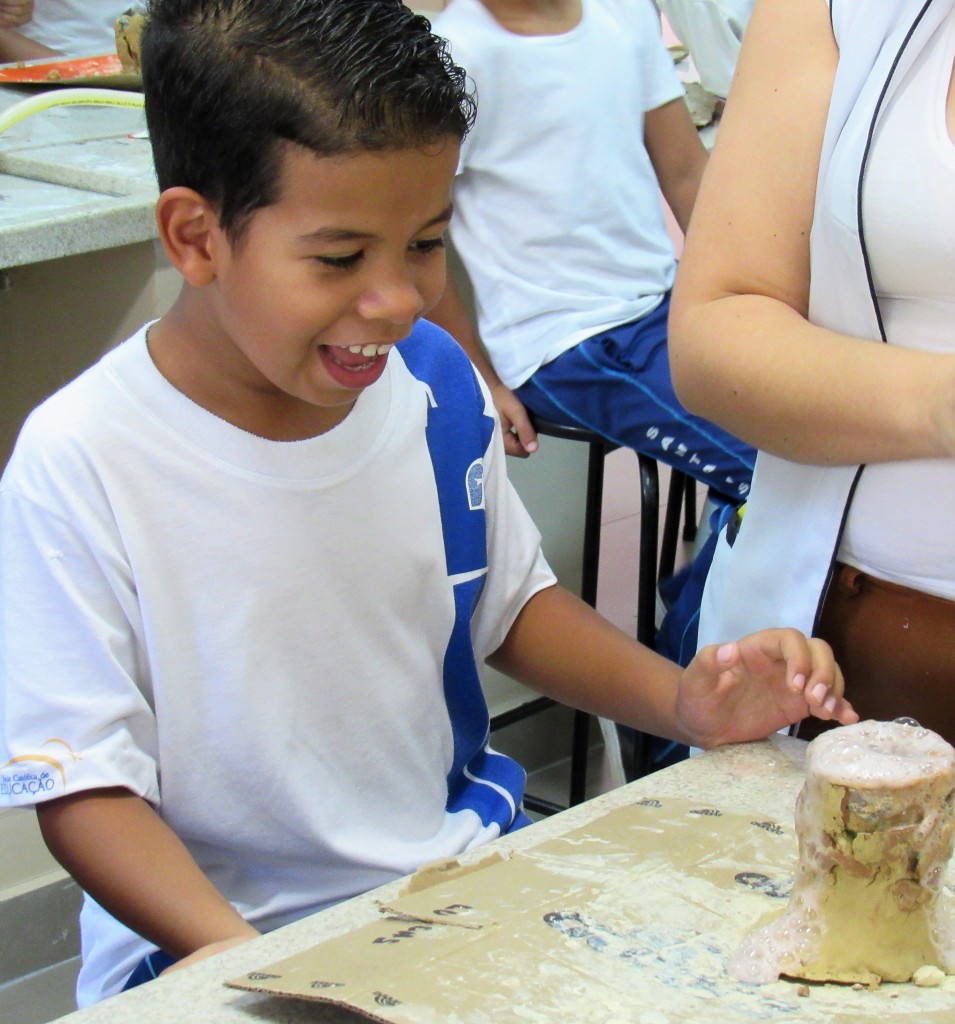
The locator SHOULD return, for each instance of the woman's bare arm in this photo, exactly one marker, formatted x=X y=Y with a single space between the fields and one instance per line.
x=742 y=352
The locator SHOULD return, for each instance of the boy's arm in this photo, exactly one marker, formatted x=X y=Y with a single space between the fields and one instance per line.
x=16 y=46
x=520 y=438
x=126 y=857
x=730 y=693
x=15 y=12
x=677 y=154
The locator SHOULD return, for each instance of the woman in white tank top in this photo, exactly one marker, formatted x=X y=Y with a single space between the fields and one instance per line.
x=825 y=225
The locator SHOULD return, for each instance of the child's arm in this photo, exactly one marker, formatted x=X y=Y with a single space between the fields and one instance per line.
x=15 y=12
x=126 y=857
x=677 y=154
x=520 y=438
x=741 y=691
x=16 y=46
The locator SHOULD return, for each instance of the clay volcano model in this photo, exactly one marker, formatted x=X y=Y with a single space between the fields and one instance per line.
x=875 y=826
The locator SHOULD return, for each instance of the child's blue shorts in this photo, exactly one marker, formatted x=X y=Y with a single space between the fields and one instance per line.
x=149 y=967
x=618 y=384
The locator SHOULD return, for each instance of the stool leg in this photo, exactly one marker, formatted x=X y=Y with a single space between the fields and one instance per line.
x=649 y=527
x=671 y=523
x=689 y=509
x=588 y=591
x=590 y=565
x=578 y=757
x=646 y=589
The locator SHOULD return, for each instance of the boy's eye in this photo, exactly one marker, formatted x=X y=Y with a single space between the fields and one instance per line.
x=427 y=245
x=344 y=262
x=341 y=262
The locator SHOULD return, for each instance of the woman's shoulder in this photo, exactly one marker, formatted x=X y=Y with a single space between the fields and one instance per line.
x=877 y=15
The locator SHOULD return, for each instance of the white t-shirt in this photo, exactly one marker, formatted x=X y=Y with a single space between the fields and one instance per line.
x=558 y=218
x=712 y=30
x=77 y=28
x=899 y=526
x=251 y=635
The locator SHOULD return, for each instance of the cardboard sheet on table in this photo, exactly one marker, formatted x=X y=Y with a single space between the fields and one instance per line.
x=637 y=911
x=104 y=71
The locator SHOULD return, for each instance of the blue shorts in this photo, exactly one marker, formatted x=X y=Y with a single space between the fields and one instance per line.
x=618 y=384
x=149 y=967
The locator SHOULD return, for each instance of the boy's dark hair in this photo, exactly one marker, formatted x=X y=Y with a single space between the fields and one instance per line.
x=228 y=82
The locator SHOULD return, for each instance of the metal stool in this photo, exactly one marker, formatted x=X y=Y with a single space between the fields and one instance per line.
x=653 y=566
x=682 y=495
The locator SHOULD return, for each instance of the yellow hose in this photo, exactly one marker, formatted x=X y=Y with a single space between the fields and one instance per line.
x=66 y=97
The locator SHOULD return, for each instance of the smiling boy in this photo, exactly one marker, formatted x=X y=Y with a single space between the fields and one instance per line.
x=251 y=561
x=314 y=294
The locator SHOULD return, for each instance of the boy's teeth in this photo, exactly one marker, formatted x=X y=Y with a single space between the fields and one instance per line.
x=369 y=350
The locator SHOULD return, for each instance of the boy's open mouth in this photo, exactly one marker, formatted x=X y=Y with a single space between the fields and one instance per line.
x=357 y=366
x=357 y=357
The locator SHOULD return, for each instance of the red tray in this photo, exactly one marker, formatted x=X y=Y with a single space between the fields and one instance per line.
x=105 y=70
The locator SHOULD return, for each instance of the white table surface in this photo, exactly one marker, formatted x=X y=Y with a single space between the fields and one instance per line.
x=759 y=778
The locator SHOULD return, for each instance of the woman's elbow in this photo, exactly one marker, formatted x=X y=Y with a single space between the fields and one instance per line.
x=687 y=363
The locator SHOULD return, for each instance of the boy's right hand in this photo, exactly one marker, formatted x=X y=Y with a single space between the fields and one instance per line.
x=520 y=437
x=128 y=859
x=735 y=692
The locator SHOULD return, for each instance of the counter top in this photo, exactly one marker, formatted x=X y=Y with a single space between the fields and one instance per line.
x=73 y=179
x=761 y=778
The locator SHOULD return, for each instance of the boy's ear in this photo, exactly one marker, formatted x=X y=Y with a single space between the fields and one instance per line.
x=189 y=230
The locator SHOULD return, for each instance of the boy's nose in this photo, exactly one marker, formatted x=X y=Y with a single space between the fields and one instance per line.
x=397 y=300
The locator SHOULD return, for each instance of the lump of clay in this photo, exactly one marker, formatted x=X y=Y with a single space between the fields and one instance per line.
x=129 y=30
x=875 y=826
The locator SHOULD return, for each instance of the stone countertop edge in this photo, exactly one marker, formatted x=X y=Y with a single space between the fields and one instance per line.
x=761 y=778
x=125 y=220
x=93 y=158
x=107 y=168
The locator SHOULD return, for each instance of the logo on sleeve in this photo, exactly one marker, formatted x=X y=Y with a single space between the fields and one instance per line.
x=474 y=479
x=34 y=775
x=26 y=782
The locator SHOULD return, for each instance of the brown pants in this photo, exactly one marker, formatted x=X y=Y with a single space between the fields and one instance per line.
x=896 y=647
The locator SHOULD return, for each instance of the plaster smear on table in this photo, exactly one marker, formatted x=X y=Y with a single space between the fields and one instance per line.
x=636 y=912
